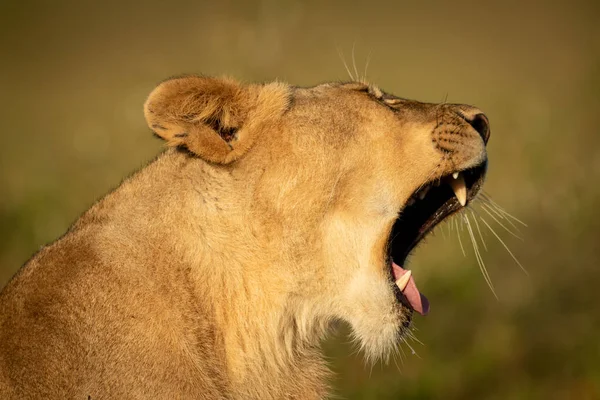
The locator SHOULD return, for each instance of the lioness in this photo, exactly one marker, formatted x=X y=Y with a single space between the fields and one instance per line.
x=215 y=271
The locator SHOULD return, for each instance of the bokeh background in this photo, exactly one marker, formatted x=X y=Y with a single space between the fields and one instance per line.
x=74 y=76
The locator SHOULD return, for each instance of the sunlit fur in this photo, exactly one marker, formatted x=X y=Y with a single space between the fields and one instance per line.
x=216 y=271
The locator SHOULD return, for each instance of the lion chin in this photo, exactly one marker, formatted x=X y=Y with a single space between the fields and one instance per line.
x=217 y=270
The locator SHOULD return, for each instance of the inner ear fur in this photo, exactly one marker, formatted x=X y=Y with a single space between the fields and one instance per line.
x=217 y=119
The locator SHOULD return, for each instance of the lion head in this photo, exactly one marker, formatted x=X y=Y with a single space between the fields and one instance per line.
x=314 y=197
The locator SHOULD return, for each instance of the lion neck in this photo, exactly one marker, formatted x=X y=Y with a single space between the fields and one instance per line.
x=269 y=330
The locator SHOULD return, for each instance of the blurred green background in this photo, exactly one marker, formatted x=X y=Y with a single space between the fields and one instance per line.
x=74 y=76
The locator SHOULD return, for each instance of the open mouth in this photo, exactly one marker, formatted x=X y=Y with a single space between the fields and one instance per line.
x=426 y=208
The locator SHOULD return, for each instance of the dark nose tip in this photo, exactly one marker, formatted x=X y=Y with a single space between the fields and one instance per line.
x=477 y=120
x=481 y=124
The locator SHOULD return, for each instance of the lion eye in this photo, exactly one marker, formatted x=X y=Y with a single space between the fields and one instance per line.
x=391 y=100
x=381 y=96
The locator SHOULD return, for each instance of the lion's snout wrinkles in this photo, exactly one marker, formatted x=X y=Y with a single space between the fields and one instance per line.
x=461 y=133
x=216 y=270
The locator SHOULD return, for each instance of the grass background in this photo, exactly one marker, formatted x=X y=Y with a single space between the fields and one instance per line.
x=74 y=76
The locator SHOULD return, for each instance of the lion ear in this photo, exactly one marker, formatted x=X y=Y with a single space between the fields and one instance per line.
x=217 y=119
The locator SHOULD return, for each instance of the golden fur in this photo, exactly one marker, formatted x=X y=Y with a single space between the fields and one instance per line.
x=215 y=271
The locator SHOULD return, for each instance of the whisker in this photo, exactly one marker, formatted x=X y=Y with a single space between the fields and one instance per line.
x=442 y=230
x=367 y=66
x=493 y=208
x=410 y=347
x=459 y=240
x=500 y=215
x=354 y=61
x=447 y=228
x=484 y=208
x=478 y=229
x=482 y=267
x=343 y=60
x=395 y=362
x=502 y=210
x=505 y=246
x=402 y=353
x=412 y=336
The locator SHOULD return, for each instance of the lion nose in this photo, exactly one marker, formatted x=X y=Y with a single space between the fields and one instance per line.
x=481 y=124
x=479 y=121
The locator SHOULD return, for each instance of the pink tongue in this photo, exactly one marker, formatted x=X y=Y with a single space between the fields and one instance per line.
x=418 y=302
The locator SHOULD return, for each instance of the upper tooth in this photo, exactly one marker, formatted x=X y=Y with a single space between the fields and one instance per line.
x=423 y=193
x=460 y=188
x=455 y=175
x=403 y=281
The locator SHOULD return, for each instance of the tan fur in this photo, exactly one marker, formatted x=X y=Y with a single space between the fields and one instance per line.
x=216 y=270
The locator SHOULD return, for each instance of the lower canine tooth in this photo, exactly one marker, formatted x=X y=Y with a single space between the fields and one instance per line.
x=403 y=281
x=460 y=189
